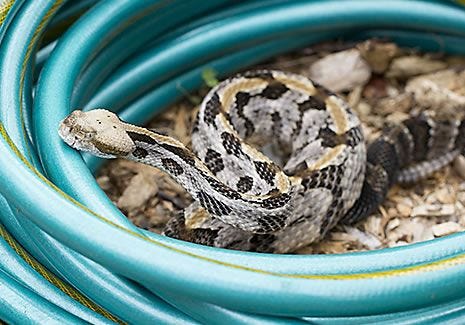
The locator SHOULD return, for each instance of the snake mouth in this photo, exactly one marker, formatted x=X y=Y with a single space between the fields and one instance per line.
x=65 y=133
x=75 y=136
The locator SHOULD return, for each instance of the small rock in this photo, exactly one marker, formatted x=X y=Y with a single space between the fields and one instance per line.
x=412 y=65
x=341 y=71
x=459 y=166
x=446 y=228
x=140 y=189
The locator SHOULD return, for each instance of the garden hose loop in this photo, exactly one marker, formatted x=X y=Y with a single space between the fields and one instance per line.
x=83 y=261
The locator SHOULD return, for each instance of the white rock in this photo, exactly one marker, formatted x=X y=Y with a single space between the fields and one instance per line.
x=341 y=71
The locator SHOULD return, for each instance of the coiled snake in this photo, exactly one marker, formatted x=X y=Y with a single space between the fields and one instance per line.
x=243 y=199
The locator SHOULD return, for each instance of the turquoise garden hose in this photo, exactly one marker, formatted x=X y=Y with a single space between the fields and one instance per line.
x=68 y=255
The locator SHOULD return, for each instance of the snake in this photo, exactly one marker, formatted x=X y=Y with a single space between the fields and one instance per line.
x=276 y=161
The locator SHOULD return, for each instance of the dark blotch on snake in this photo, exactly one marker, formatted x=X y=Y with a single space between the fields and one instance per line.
x=222 y=188
x=241 y=100
x=184 y=154
x=212 y=205
x=212 y=109
x=275 y=202
x=271 y=223
x=328 y=177
x=172 y=166
x=312 y=103
x=262 y=243
x=195 y=125
x=231 y=144
x=214 y=161
x=420 y=130
x=141 y=137
x=460 y=138
x=274 y=90
x=244 y=184
x=329 y=138
x=140 y=153
x=444 y=138
x=266 y=171
x=262 y=74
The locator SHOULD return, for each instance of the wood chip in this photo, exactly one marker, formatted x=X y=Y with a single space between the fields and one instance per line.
x=411 y=65
x=378 y=54
x=459 y=166
x=404 y=210
x=388 y=105
x=433 y=210
x=140 y=189
x=446 y=228
x=393 y=224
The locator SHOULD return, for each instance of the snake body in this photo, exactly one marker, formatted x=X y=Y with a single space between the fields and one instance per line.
x=243 y=199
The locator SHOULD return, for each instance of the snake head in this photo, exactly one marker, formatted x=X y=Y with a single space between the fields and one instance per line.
x=99 y=132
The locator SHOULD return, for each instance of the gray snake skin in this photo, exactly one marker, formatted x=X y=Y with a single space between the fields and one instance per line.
x=243 y=199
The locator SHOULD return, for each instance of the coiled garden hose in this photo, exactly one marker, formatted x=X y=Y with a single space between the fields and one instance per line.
x=67 y=255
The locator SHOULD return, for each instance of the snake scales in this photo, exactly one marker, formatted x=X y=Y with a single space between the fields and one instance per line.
x=243 y=199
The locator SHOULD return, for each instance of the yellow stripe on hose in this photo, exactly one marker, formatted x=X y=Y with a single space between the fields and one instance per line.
x=29 y=50
x=5 y=7
x=53 y=279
